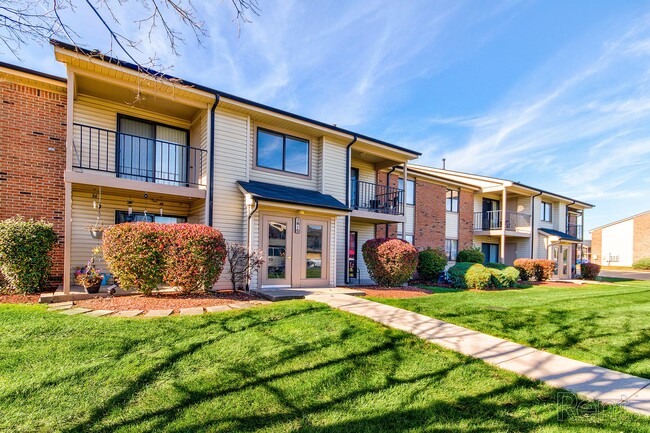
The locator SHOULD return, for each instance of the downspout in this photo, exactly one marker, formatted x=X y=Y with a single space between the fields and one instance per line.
x=388 y=185
x=250 y=241
x=348 y=163
x=532 y=223
x=211 y=168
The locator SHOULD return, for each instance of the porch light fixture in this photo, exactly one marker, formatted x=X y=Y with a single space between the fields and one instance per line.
x=130 y=208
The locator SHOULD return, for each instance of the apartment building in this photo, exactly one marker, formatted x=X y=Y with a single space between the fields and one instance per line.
x=622 y=242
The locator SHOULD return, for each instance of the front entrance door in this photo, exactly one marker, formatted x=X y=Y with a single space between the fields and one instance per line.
x=297 y=251
x=561 y=256
x=277 y=241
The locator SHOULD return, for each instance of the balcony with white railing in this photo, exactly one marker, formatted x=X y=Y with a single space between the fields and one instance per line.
x=516 y=223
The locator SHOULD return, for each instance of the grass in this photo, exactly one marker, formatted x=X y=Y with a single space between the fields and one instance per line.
x=293 y=367
x=607 y=325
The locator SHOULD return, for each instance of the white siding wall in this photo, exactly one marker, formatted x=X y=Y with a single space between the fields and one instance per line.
x=617 y=240
x=451 y=225
x=231 y=130
x=409 y=214
x=334 y=179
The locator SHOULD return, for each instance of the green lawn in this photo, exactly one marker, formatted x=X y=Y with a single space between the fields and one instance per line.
x=603 y=325
x=290 y=367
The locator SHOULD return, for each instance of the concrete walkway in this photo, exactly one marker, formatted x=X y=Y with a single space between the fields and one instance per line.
x=586 y=380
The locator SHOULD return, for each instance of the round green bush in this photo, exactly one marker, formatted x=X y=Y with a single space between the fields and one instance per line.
x=25 y=247
x=470 y=255
x=431 y=264
x=512 y=275
x=469 y=276
x=499 y=266
x=390 y=262
x=589 y=271
x=642 y=264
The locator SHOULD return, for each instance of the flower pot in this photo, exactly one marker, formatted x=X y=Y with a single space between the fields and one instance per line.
x=94 y=288
x=96 y=233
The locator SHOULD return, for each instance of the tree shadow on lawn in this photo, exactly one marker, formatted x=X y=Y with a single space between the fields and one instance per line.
x=358 y=377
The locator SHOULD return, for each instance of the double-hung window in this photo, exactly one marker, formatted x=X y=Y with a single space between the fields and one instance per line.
x=547 y=211
x=451 y=249
x=452 y=200
x=410 y=190
x=282 y=152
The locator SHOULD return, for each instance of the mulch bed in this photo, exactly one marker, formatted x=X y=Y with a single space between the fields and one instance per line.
x=395 y=292
x=165 y=301
x=19 y=298
x=549 y=283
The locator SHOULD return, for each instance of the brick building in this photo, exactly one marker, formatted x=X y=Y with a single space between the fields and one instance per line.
x=621 y=242
x=32 y=150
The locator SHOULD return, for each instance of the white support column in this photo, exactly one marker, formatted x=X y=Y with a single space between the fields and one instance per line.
x=69 y=145
x=504 y=206
x=404 y=204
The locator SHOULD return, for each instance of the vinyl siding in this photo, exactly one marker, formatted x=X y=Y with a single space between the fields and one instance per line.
x=617 y=240
x=365 y=233
x=451 y=225
x=367 y=172
x=409 y=213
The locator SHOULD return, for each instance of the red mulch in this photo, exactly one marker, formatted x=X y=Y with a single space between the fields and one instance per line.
x=165 y=301
x=395 y=292
x=548 y=283
x=19 y=299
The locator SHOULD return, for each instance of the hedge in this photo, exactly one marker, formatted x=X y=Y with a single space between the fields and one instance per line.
x=526 y=268
x=589 y=271
x=499 y=266
x=431 y=264
x=642 y=264
x=390 y=262
x=469 y=276
x=540 y=269
x=25 y=247
x=144 y=255
x=470 y=255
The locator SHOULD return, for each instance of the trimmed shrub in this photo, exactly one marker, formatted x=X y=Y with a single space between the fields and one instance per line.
x=431 y=264
x=526 y=268
x=544 y=269
x=499 y=266
x=390 y=262
x=503 y=278
x=194 y=256
x=642 y=264
x=589 y=271
x=25 y=247
x=469 y=276
x=512 y=274
x=143 y=255
x=470 y=255
x=135 y=253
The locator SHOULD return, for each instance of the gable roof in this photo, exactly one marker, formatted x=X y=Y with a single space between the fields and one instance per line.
x=287 y=194
x=108 y=59
x=563 y=236
x=620 y=221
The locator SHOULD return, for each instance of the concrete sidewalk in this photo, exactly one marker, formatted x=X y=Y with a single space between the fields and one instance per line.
x=586 y=380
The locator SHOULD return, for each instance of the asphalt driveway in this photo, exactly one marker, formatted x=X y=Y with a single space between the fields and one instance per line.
x=626 y=274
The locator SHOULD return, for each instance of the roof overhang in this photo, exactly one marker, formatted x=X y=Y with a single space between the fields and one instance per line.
x=556 y=236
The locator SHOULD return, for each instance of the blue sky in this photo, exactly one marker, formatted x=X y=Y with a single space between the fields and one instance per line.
x=553 y=94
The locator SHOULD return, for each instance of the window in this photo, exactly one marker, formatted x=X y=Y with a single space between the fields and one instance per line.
x=409 y=239
x=282 y=152
x=410 y=190
x=152 y=152
x=122 y=216
x=451 y=249
x=547 y=210
x=491 y=252
x=452 y=200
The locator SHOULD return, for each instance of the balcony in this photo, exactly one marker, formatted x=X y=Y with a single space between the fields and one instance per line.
x=138 y=158
x=516 y=222
x=379 y=203
x=574 y=230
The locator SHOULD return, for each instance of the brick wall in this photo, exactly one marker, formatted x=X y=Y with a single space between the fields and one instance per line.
x=32 y=159
x=430 y=215
x=641 y=240
x=465 y=220
x=597 y=246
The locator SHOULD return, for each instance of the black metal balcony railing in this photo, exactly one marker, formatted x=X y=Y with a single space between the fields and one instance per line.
x=139 y=158
x=574 y=230
x=376 y=198
x=491 y=220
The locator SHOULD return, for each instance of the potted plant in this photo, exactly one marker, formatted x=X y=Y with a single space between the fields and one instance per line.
x=96 y=230
x=88 y=277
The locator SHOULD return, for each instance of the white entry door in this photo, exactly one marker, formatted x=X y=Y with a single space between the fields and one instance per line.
x=561 y=255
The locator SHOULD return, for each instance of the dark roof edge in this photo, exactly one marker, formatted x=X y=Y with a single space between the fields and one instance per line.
x=153 y=72
x=555 y=194
x=33 y=72
x=316 y=206
x=619 y=221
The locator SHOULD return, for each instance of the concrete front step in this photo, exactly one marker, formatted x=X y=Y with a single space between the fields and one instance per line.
x=276 y=295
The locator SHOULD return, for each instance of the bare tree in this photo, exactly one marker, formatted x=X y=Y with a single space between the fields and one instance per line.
x=24 y=21
x=242 y=264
